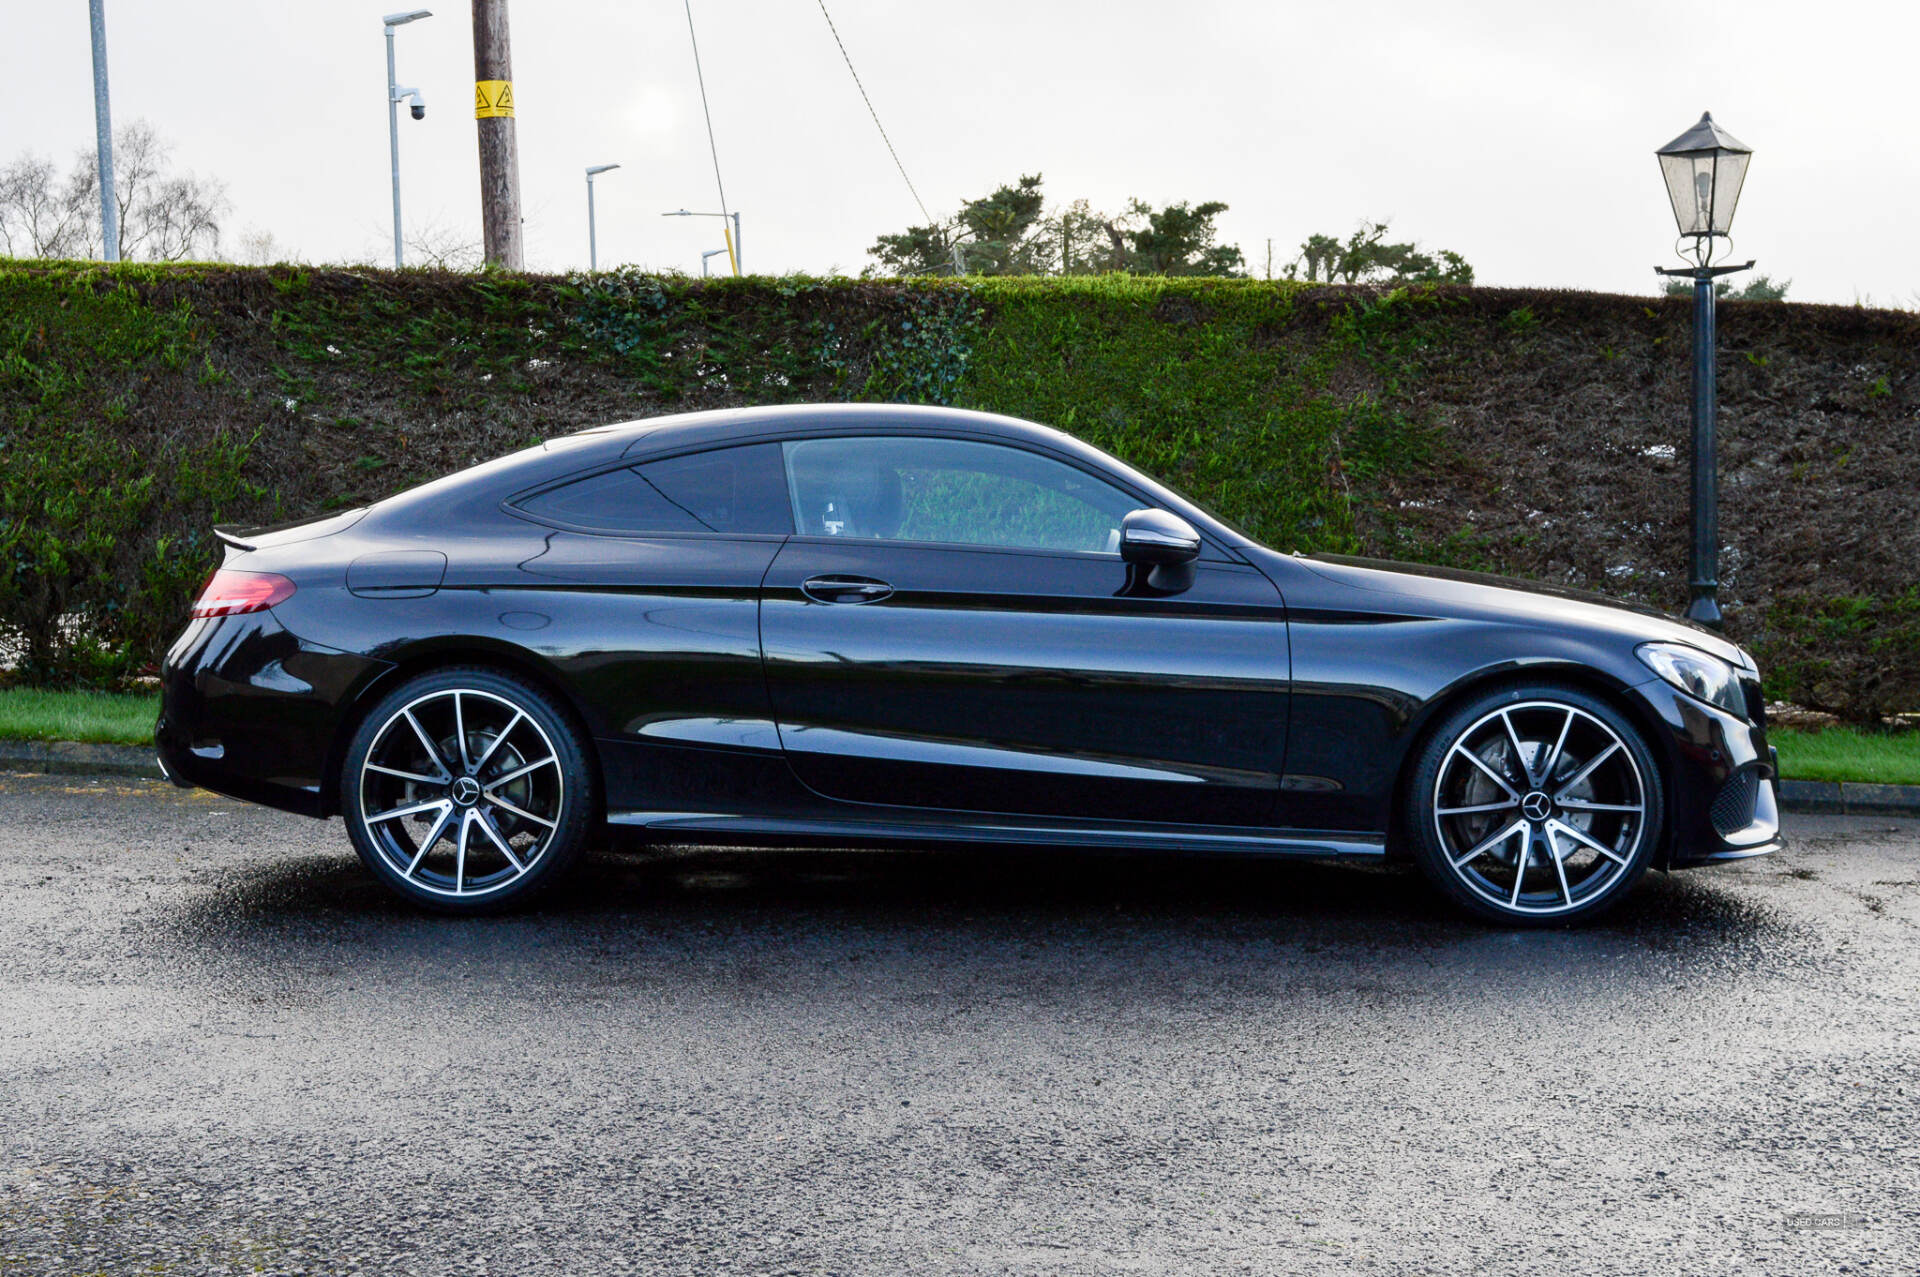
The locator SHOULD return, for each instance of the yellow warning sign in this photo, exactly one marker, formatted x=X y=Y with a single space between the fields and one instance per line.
x=492 y=99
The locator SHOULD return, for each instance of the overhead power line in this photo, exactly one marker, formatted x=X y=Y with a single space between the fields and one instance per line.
x=704 y=110
x=875 y=114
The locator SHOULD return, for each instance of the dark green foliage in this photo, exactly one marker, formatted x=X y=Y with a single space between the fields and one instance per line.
x=67 y=501
x=920 y=357
x=1178 y=240
x=1216 y=387
x=798 y=340
x=1855 y=656
x=999 y=229
x=102 y=516
x=627 y=313
x=995 y=235
x=1470 y=427
x=1764 y=288
x=89 y=584
x=1365 y=257
x=1761 y=288
x=1520 y=320
x=1005 y=233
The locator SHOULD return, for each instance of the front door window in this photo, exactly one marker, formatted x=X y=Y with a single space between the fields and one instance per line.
x=951 y=491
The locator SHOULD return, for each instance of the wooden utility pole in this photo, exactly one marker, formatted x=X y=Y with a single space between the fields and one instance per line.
x=499 y=154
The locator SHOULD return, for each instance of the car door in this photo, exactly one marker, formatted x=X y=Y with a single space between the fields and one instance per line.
x=952 y=627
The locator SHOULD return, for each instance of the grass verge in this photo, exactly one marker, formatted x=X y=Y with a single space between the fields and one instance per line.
x=1837 y=753
x=1844 y=753
x=106 y=718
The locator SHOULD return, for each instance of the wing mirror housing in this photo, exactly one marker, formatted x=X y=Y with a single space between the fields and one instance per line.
x=1159 y=549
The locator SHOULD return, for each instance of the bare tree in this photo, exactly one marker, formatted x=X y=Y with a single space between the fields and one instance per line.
x=164 y=215
x=256 y=246
x=39 y=214
x=438 y=246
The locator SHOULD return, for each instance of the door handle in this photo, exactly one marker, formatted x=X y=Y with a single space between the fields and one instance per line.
x=845 y=589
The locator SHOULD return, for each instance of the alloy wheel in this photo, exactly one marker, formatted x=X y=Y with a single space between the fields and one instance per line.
x=462 y=793
x=1540 y=808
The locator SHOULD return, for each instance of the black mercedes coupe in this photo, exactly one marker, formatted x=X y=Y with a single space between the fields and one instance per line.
x=875 y=624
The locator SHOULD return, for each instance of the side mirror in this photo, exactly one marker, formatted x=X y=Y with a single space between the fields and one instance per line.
x=1161 y=548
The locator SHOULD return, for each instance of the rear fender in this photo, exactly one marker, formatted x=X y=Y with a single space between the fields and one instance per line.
x=439 y=653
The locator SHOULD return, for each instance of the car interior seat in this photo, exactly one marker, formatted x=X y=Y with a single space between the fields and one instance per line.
x=861 y=501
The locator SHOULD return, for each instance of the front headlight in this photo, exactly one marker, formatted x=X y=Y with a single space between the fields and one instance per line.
x=1697 y=674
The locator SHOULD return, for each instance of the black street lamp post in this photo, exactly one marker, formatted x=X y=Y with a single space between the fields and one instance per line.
x=1704 y=168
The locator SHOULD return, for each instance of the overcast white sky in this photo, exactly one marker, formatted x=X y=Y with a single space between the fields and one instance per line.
x=1518 y=133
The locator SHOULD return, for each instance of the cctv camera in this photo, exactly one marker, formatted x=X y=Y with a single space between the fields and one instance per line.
x=419 y=109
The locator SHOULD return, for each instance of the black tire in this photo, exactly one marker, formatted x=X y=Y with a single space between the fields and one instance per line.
x=1575 y=840
x=467 y=790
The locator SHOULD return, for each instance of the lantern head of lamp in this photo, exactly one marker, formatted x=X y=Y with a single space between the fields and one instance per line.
x=1704 y=168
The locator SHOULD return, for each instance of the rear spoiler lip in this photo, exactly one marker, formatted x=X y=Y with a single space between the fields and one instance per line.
x=232 y=535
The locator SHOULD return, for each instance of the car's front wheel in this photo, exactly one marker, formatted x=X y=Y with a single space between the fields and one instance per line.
x=466 y=790
x=1534 y=805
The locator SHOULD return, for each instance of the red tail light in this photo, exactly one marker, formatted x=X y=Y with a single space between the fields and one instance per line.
x=231 y=593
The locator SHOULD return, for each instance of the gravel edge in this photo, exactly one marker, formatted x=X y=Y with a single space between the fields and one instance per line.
x=76 y=758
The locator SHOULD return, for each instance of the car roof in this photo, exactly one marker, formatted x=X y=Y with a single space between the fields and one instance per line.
x=493 y=481
x=727 y=425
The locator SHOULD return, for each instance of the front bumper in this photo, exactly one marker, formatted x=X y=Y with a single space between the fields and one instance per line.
x=1722 y=778
x=251 y=710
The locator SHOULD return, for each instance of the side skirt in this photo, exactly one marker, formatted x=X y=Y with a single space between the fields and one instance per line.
x=1026 y=833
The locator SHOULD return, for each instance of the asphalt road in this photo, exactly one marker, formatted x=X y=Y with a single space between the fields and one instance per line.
x=222 y=1049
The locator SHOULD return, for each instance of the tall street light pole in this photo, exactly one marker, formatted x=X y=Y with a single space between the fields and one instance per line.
x=396 y=94
x=103 y=135
x=493 y=108
x=1704 y=169
x=593 y=243
x=732 y=232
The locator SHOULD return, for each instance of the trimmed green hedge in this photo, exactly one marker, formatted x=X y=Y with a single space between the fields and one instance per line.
x=1515 y=431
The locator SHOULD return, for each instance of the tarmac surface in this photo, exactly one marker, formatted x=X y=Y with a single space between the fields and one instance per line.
x=224 y=1049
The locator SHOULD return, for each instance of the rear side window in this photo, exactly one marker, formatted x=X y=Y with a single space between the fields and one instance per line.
x=739 y=490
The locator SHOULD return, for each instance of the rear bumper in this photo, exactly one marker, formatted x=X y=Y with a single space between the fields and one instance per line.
x=250 y=710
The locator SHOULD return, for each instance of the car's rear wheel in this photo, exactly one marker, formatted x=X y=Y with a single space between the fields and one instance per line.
x=1534 y=805
x=467 y=790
